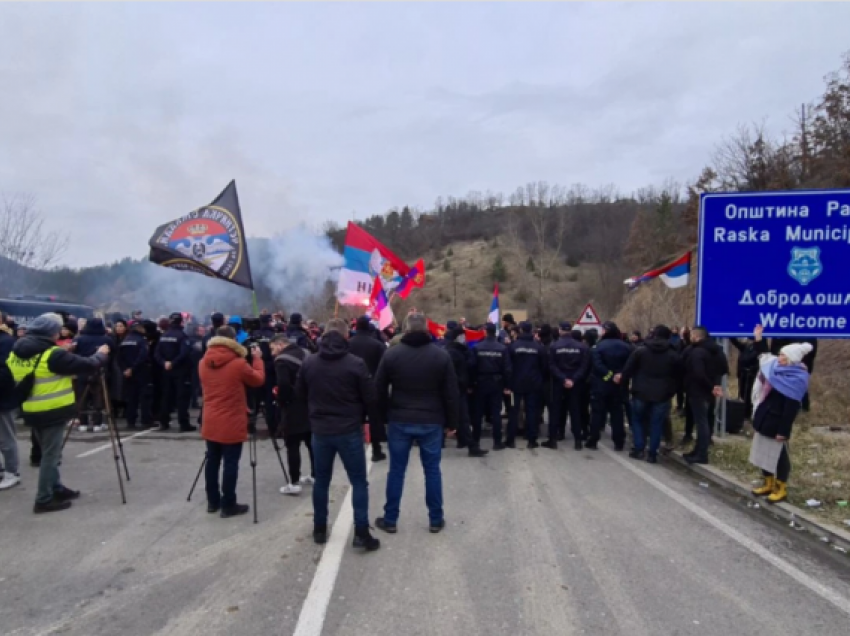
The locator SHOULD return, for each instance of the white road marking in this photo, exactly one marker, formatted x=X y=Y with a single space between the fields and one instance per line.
x=315 y=608
x=802 y=578
x=105 y=446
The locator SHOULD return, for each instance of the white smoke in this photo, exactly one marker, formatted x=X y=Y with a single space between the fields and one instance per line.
x=288 y=269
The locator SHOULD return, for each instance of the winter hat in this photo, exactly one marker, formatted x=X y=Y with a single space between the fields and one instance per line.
x=451 y=324
x=491 y=329
x=45 y=325
x=796 y=352
x=565 y=326
x=661 y=332
x=295 y=319
x=363 y=323
x=525 y=326
x=176 y=318
x=217 y=319
x=611 y=329
x=509 y=318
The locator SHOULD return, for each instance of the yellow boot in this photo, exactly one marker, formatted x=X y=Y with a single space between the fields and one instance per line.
x=779 y=493
x=769 y=485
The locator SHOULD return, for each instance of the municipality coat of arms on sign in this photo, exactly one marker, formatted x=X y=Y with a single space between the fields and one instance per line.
x=805 y=265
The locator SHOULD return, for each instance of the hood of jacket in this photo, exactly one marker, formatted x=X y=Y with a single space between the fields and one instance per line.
x=30 y=346
x=94 y=327
x=416 y=339
x=658 y=345
x=333 y=347
x=222 y=351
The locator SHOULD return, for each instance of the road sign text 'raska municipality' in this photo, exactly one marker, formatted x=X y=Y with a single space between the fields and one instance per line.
x=779 y=259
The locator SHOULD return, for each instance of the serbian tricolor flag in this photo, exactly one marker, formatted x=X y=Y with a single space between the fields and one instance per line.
x=380 y=306
x=493 y=316
x=436 y=330
x=367 y=259
x=674 y=275
x=414 y=279
x=474 y=336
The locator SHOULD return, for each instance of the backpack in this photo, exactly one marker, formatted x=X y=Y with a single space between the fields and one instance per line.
x=22 y=390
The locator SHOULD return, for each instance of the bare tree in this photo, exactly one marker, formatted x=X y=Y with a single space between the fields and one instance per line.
x=25 y=242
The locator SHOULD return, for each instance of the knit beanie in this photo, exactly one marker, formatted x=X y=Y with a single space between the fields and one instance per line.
x=796 y=352
x=45 y=325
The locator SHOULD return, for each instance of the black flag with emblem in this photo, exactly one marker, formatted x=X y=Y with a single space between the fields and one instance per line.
x=209 y=241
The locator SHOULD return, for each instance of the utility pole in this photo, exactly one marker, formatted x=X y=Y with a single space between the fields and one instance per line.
x=454 y=276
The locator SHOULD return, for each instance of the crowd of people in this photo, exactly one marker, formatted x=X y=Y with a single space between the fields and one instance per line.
x=316 y=386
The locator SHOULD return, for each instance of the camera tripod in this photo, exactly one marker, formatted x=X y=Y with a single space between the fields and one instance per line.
x=252 y=453
x=114 y=435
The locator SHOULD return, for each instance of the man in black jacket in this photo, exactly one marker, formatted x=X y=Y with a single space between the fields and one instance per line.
x=418 y=396
x=265 y=394
x=295 y=423
x=339 y=392
x=134 y=364
x=172 y=355
x=88 y=388
x=51 y=401
x=653 y=369
x=529 y=363
x=368 y=348
x=295 y=331
x=569 y=364
x=493 y=376
x=705 y=365
x=606 y=396
x=463 y=360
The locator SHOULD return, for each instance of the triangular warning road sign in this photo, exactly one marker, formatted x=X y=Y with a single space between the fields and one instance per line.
x=589 y=317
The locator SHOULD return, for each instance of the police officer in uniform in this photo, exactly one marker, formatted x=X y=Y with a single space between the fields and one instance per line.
x=493 y=377
x=569 y=362
x=529 y=363
x=172 y=355
x=606 y=395
x=134 y=364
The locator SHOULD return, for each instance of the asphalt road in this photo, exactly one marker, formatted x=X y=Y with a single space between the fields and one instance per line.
x=538 y=542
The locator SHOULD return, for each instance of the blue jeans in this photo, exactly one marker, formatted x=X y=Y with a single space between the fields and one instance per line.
x=229 y=455
x=400 y=438
x=352 y=452
x=651 y=414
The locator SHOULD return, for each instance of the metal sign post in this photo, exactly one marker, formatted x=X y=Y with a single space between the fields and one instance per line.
x=720 y=403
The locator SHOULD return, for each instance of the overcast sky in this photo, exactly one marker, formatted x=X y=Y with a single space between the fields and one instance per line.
x=119 y=117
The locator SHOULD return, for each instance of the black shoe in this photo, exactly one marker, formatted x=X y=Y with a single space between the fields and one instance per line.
x=591 y=445
x=578 y=445
x=380 y=524
x=162 y=427
x=636 y=454
x=652 y=459
x=320 y=534
x=235 y=511
x=54 y=505
x=550 y=444
x=478 y=452
x=696 y=459
x=462 y=445
x=562 y=437
x=188 y=428
x=213 y=509
x=35 y=463
x=619 y=448
x=378 y=457
x=510 y=444
x=532 y=444
x=364 y=539
x=498 y=447
x=65 y=494
x=436 y=528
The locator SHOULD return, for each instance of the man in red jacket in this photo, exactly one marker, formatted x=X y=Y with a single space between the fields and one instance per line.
x=225 y=373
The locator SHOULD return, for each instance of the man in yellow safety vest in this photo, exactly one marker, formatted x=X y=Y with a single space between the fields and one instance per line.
x=50 y=404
